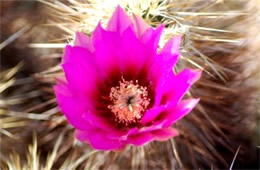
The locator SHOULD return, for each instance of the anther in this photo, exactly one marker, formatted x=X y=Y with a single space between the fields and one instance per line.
x=129 y=101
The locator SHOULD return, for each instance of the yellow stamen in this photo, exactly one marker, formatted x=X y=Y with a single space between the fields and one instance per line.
x=129 y=101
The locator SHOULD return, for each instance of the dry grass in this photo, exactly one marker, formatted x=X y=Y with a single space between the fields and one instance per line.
x=220 y=37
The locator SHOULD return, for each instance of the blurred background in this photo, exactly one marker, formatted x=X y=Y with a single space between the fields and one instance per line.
x=220 y=36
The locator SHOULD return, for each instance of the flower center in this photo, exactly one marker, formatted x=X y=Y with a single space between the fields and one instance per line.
x=129 y=101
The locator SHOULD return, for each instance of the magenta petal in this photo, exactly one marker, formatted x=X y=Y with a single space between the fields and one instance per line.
x=132 y=131
x=118 y=135
x=122 y=135
x=151 y=39
x=80 y=69
x=164 y=62
x=141 y=138
x=67 y=103
x=99 y=140
x=160 y=87
x=164 y=134
x=109 y=38
x=139 y=25
x=151 y=114
x=97 y=121
x=84 y=41
x=184 y=81
x=161 y=74
x=145 y=137
x=131 y=53
x=171 y=114
x=78 y=55
x=106 y=46
x=81 y=80
x=173 y=87
x=176 y=113
x=172 y=46
x=162 y=68
x=119 y=21
x=84 y=135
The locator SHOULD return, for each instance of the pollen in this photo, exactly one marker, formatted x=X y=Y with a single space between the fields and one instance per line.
x=130 y=101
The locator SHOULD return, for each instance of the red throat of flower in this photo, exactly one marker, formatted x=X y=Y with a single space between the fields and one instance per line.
x=129 y=101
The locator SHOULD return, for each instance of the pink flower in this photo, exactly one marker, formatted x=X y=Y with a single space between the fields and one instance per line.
x=119 y=90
